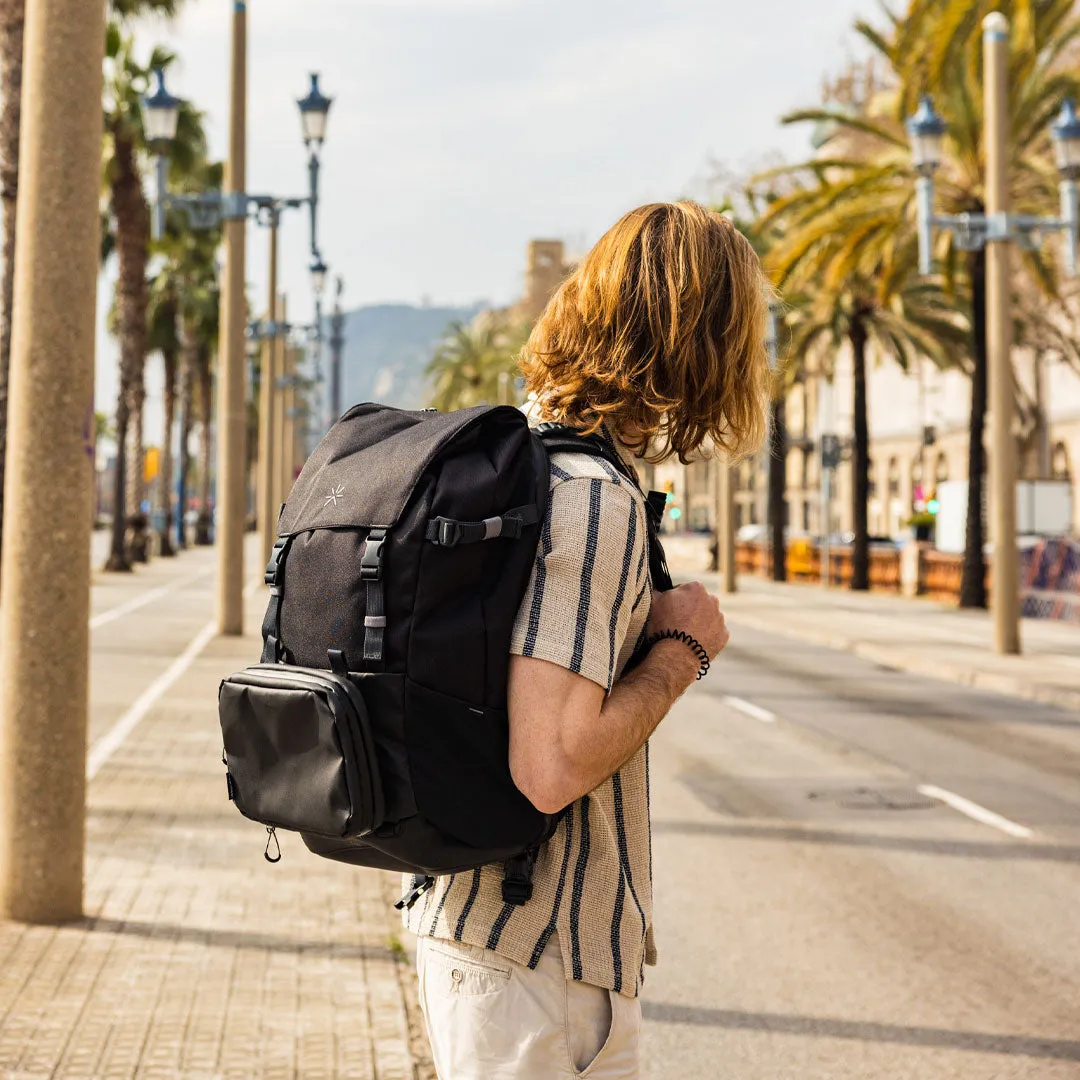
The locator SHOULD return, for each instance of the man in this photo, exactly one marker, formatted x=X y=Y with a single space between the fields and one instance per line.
x=656 y=342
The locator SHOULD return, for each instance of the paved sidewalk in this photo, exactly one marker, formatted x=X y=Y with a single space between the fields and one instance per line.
x=197 y=959
x=920 y=636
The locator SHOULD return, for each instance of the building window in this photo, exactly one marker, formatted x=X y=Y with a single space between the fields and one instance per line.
x=871 y=488
x=1059 y=463
x=941 y=470
x=806 y=456
x=894 y=478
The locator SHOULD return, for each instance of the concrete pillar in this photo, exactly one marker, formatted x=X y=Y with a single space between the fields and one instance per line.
x=45 y=577
x=279 y=407
x=1005 y=580
x=725 y=531
x=231 y=396
x=288 y=438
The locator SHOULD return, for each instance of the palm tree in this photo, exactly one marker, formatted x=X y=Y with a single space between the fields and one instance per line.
x=936 y=47
x=12 y=21
x=862 y=293
x=126 y=82
x=474 y=363
x=164 y=338
x=199 y=326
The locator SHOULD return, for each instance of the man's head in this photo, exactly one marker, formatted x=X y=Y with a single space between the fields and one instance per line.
x=660 y=333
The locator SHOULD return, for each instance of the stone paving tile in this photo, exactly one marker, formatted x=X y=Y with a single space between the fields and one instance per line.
x=197 y=959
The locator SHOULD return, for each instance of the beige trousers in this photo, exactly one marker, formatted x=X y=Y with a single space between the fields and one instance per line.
x=491 y=1019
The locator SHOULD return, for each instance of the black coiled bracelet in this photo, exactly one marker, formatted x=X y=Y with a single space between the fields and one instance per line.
x=686 y=639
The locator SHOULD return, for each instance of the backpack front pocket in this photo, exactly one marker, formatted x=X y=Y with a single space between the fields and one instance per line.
x=299 y=751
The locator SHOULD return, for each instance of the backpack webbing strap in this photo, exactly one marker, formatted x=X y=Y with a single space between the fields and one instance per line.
x=517 y=884
x=560 y=439
x=275 y=578
x=449 y=532
x=371 y=573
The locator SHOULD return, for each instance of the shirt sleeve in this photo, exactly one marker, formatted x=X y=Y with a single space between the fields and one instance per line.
x=578 y=605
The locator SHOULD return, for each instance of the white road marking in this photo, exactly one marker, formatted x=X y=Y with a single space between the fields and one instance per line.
x=142 y=600
x=750 y=709
x=976 y=812
x=117 y=735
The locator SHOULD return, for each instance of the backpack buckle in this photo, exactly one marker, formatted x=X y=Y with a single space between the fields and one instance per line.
x=449 y=532
x=371 y=559
x=275 y=568
x=517 y=884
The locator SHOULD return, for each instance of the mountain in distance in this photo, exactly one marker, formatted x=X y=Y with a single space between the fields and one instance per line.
x=387 y=348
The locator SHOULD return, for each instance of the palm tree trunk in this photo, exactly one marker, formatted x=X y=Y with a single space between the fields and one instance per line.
x=187 y=406
x=118 y=559
x=132 y=247
x=165 y=543
x=202 y=526
x=12 y=20
x=860 y=462
x=138 y=532
x=777 y=487
x=973 y=579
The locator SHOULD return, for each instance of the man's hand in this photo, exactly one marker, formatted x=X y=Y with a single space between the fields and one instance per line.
x=694 y=611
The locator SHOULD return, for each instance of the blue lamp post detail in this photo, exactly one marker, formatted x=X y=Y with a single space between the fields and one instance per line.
x=209 y=209
x=926 y=132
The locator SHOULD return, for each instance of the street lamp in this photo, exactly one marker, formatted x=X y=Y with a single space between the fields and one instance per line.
x=926 y=132
x=209 y=210
x=994 y=231
x=161 y=113
x=319 y=271
x=314 y=112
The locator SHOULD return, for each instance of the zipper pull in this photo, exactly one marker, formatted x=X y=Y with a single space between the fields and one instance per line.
x=271 y=838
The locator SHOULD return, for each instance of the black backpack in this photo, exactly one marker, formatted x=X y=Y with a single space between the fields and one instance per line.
x=376 y=723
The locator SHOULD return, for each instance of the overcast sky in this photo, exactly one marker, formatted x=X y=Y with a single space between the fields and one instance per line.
x=463 y=128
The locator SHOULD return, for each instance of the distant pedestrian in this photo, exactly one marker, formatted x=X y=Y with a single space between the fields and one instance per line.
x=656 y=343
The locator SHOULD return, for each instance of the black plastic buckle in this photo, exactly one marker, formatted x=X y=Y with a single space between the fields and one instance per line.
x=517 y=890
x=275 y=568
x=449 y=532
x=517 y=885
x=420 y=885
x=371 y=559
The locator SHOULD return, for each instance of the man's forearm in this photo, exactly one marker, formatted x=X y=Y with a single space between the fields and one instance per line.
x=631 y=713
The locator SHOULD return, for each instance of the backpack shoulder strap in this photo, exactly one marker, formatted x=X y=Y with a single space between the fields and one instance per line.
x=560 y=439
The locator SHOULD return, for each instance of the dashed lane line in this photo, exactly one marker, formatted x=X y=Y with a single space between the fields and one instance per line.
x=117 y=735
x=976 y=812
x=748 y=708
x=931 y=791
x=145 y=598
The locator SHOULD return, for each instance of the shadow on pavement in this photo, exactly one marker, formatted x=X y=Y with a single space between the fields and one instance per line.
x=824 y=1027
x=236 y=939
x=966 y=849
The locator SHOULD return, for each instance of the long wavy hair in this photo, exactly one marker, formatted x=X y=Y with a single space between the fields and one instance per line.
x=659 y=334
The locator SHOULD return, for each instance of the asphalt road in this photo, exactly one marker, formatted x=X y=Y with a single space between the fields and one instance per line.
x=862 y=874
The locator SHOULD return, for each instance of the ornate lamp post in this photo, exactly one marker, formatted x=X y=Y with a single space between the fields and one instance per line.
x=995 y=230
x=207 y=210
x=337 y=346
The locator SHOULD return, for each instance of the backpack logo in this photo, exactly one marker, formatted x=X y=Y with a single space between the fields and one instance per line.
x=335 y=494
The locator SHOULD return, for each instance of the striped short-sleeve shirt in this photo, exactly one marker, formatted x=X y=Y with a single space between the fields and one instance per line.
x=585 y=609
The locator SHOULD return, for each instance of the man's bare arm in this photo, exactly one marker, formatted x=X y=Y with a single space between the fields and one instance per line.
x=567 y=737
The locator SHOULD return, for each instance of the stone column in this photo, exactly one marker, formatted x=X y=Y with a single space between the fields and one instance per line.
x=45 y=576
x=231 y=499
